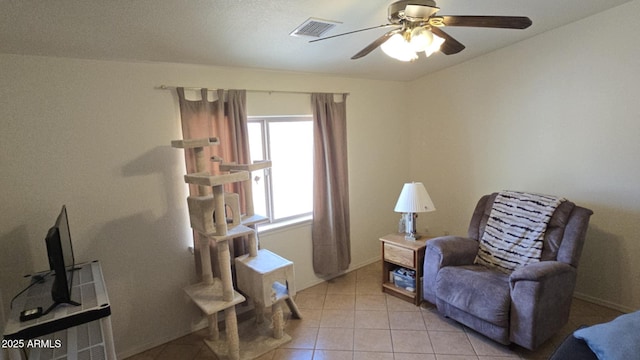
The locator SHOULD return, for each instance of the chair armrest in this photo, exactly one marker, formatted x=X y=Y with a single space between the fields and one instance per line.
x=541 y=296
x=444 y=251
x=540 y=271
x=453 y=250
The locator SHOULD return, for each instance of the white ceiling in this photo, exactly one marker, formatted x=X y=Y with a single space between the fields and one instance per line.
x=255 y=33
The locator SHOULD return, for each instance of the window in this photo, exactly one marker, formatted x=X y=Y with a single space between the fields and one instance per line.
x=283 y=193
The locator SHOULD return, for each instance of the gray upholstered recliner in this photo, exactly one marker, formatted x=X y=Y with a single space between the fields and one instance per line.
x=525 y=307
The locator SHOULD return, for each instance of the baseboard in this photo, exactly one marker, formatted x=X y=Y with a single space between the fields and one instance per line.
x=161 y=341
x=320 y=280
x=243 y=313
x=365 y=263
x=602 y=302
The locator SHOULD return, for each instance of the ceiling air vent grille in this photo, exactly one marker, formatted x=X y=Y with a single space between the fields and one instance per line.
x=314 y=27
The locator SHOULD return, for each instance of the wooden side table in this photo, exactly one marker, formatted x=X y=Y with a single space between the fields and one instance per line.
x=409 y=254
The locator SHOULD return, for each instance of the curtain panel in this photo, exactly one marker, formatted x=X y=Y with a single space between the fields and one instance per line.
x=330 y=231
x=224 y=117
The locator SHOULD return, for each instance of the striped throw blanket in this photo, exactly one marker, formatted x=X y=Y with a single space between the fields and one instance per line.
x=514 y=234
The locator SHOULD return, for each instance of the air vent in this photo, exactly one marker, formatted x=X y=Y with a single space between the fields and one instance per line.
x=314 y=27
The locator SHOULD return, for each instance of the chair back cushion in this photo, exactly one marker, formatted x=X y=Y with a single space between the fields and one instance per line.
x=554 y=238
x=514 y=233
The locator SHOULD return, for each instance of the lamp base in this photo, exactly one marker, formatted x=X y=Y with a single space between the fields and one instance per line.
x=410 y=227
x=411 y=237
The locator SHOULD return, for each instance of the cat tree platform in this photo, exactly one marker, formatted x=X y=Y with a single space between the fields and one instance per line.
x=209 y=297
x=195 y=143
x=256 y=165
x=204 y=179
x=255 y=341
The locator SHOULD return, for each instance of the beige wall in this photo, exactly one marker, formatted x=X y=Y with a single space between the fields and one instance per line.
x=95 y=136
x=556 y=114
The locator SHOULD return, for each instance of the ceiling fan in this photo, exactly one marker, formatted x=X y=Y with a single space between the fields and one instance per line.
x=418 y=28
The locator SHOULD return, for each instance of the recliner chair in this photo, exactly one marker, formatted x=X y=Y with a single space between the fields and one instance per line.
x=525 y=307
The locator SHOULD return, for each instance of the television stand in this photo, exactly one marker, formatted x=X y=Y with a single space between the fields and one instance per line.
x=55 y=304
x=61 y=331
x=62 y=300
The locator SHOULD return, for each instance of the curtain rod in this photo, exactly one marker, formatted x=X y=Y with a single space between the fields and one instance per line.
x=167 y=87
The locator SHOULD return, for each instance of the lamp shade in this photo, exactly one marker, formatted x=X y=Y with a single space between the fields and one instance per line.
x=414 y=199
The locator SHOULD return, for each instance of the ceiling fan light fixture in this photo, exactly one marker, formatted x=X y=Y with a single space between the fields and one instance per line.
x=421 y=39
x=417 y=26
x=398 y=48
x=434 y=46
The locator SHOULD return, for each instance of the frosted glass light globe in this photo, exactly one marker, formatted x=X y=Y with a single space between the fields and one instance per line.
x=435 y=45
x=421 y=39
x=398 y=48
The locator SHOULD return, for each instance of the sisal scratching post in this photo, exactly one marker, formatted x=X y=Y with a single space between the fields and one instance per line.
x=247 y=186
x=259 y=309
x=201 y=166
x=233 y=340
x=205 y=259
x=220 y=221
x=253 y=245
x=277 y=320
x=225 y=270
x=214 y=333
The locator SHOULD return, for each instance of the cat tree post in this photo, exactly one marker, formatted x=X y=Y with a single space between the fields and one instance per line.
x=277 y=319
x=224 y=257
x=233 y=338
x=247 y=186
x=201 y=166
x=203 y=242
x=205 y=260
x=214 y=332
x=230 y=320
x=253 y=245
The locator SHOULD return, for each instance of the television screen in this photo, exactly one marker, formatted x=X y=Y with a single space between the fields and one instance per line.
x=62 y=223
x=61 y=259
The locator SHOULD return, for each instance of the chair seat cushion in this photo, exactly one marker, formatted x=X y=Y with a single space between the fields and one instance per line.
x=477 y=290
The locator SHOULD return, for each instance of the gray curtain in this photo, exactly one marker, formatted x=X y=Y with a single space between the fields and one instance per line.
x=330 y=229
x=225 y=117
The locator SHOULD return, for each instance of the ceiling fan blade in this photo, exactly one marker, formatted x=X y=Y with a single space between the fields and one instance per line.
x=375 y=44
x=502 y=22
x=451 y=46
x=353 y=32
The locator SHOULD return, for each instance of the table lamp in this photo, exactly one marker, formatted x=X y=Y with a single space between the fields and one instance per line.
x=413 y=199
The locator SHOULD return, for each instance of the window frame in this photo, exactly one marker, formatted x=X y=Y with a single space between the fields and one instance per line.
x=264 y=122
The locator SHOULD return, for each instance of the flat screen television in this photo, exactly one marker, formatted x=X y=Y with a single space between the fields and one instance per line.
x=61 y=260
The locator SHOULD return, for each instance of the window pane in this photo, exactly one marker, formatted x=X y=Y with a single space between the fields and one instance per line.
x=255 y=140
x=256 y=149
x=291 y=145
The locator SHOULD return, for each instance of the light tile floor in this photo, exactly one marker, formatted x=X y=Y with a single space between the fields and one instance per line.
x=350 y=318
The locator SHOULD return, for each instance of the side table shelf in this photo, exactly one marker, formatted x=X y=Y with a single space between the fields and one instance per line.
x=409 y=254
